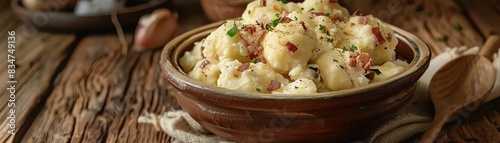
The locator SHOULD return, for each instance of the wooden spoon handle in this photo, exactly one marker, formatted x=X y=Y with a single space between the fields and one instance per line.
x=433 y=130
x=490 y=46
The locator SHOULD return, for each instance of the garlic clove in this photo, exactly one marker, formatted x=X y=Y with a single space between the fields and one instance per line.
x=155 y=30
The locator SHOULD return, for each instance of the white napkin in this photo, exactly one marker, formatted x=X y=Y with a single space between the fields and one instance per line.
x=414 y=118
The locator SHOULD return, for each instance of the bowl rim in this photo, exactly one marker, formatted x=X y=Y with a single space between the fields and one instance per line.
x=17 y=4
x=421 y=58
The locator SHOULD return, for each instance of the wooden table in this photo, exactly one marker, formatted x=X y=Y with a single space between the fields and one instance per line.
x=77 y=87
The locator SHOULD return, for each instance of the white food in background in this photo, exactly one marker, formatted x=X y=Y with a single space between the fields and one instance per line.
x=95 y=7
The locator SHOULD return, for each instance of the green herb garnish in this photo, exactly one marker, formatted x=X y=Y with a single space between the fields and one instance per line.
x=284 y=1
x=249 y=11
x=233 y=30
x=457 y=26
x=275 y=22
x=269 y=27
x=257 y=89
x=335 y=60
x=310 y=10
x=252 y=61
x=295 y=17
x=353 y=48
x=328 y=14
x=329 y=40
x=321 y=27
x=342 y=67
x=442 y=38
x=376 y=71
x=344 y=49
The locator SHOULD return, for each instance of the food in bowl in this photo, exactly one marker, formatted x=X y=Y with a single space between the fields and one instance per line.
x=295 y=48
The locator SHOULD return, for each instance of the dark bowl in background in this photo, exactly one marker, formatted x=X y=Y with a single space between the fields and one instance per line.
x=69 y=22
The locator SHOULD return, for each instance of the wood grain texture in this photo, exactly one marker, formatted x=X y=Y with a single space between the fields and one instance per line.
x=38 y=55
x=100 y=94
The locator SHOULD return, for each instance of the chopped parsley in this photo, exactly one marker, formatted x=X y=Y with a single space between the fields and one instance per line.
x=321 y=38
x=257 y=89
x=328 y=33
x=295 y=17
x=442 y=38
x=321 y=27
x=457 y=26
x=275 y=22
x=315 y=69
x=233 y=30
x=310 y=10
x=342 y=67
x=376 y=71
x=224 y=22
x=249 y=11
x=269 y=27
x=353 y=48
x=329 y=40
x=284 y=1
x=301 y=8
x=344 y=49
x=328 y=14
x=335 y=60
x=253 y=61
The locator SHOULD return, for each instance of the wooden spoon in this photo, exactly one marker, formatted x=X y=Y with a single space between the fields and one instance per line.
x=464 y=81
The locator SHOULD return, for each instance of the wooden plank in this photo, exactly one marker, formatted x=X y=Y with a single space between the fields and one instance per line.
x=485 y=14
x=101 y=93
x=38 y=55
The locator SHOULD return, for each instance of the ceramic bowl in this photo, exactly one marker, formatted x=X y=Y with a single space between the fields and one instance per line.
x=70 y=22
x=344 y=115
x=217 y=10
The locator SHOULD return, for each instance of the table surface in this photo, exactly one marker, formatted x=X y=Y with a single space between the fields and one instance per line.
x=77 y=87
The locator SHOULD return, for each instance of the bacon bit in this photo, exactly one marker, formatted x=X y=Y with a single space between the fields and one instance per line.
x=363 y=20
x=388 y=36
x=263 y=59
x=262 y=2
x=365 y=60
x=316 y=14
x=284 y=13
x=303 y=25
x=354 y=55
x=243 y=67
x=273 y=85
x=370 y=75
x=253 y=40
x=291 y=47
x=261 y=25
x=376 y=32
x=217 y=57
x=204 y=63
x=250 y=29
x=358 y=13
x=352 y=62
x=285 y=20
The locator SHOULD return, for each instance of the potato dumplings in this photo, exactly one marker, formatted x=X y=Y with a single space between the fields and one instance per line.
x=295 y=48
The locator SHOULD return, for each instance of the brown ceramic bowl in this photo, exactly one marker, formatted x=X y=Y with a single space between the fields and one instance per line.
x=339 y=116
x=217 y=10
x=69 y=22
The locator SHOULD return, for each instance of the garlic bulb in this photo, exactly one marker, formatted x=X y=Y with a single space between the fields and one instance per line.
x=155 y=30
